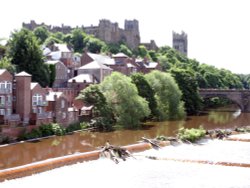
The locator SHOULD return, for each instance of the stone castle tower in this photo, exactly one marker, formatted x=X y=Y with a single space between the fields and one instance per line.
x=106 y=30
x=111 y=33
x=180 y=42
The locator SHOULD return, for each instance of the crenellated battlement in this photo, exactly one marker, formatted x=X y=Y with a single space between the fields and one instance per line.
x=106 y=31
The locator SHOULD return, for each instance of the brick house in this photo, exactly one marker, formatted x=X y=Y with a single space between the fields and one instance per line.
x=6 y=99
x=81 y=81
x=61 y=73
x=145 y=66
x=124 y=64
x=97 y=69
x=39 y=114
x=88 y=57
x=58 y=104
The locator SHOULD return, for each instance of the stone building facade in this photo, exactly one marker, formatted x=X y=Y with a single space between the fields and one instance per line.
x=180 y=42
x=106 y=31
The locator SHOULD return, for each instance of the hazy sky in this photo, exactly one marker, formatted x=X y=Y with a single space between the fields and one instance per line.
x=218 y=30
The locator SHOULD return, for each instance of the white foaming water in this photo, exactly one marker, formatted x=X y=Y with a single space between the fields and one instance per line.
x=146 y=173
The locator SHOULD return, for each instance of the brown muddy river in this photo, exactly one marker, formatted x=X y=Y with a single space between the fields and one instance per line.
x=28 y=152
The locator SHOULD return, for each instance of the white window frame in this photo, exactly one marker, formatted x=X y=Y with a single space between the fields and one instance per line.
x=37 y=99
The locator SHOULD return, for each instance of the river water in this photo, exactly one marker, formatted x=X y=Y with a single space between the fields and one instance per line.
x=147 y=173
x=28 y=152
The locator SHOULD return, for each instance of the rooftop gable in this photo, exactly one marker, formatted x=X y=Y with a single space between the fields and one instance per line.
x=2 y=71
x=23 y=73
x=33 y=85
x=106 y=60
x=81 y=78
x=94 y=65
x=52 y=95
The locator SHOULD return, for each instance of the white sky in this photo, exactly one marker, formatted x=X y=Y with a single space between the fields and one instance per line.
x=218 y=30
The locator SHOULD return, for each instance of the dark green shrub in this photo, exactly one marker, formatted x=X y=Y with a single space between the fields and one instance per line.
x=76 y=126
x=52 y=129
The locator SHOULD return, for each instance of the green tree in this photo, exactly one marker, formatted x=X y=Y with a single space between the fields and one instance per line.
x=58 y=35
x=52 y=40
x=5 y=63
x=41 y=34
x=94 y=45
x=143 y=52
x=77 y=40
x=122 y=95
x=102 y=112
x=26 y=55
x=167 y=94
x=153 y=55
x=187 y=83
x=124 y=49
x=145 y=91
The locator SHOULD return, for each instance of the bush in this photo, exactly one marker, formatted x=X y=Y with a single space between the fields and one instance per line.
x=76 y=126
x=43 y=131
x=52 y=129
x=4 y=139
x=35 y=133
x=191 y=135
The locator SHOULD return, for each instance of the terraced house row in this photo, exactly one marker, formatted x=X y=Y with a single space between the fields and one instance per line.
x=25 y=103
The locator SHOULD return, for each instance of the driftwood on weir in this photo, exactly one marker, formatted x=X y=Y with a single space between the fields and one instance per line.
x=154 y=143
x=115 y=153
x=219 y=133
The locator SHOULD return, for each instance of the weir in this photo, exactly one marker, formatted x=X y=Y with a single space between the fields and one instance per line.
x=224 y=153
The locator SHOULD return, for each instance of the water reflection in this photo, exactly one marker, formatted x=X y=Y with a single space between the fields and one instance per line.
x=28 y=152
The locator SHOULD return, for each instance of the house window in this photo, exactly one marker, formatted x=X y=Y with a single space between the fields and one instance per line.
x=2 y=111
x=2 y=100
x=63 y=115
x=37 y=99
x=40 y=110
x=34 y=110
x=62 y=103
x=6 y=86
x=9 y=111
x=9 y=100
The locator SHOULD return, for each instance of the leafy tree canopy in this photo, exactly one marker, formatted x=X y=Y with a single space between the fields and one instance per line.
x=122 y=95
x=41 y=33
x=188 y=84
x=102 y=112
x=145 y=91
x=167 y=94
x=25 y=53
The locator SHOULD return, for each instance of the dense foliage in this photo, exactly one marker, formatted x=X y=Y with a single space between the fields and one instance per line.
x=167 y=94
x=26 y=55
x=145 y=91
x=5 y=63
x=188 y=85
x=102 y=113
x=51 y=129
x=122 y=96
x=191 y=135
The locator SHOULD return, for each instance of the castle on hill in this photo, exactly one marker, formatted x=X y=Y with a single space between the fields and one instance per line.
x=106 y=30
